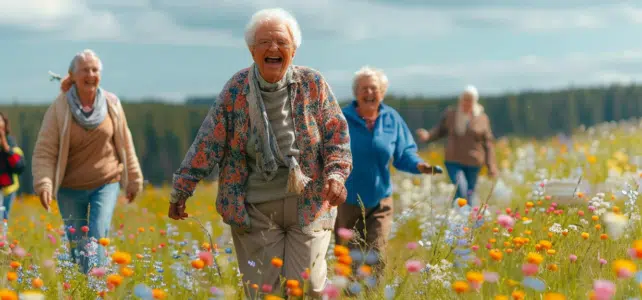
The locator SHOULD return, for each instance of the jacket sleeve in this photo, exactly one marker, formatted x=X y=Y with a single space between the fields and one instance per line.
x=16 y=159
x=440 y=129
x=206 y=151
x=134 y=172
x=336 y=153
x=45 y=152
x=405 y=157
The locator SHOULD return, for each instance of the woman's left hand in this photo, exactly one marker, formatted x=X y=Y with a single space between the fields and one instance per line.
x=425 y=168
x=334 y=192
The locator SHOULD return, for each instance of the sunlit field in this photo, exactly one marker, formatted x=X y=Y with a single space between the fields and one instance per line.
x=561 y=222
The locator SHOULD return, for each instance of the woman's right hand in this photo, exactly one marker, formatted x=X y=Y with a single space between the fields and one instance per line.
x=45 y=199
x=423 y=135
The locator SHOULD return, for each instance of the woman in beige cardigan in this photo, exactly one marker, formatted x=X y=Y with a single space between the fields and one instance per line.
x=470 y=142
x=83 y=151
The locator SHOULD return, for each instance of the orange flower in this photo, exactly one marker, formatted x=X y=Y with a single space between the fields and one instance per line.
x=121 y=258
x=198 y=264
x=37 y=283
x=496 y=254
x=114 y=279
x=340 y=250
x=12 y=276
x=554 y=296
x=126 y=272
x=104 y=241
x=460 y=287
x=292 y=283
x=15 y=265
x=345 y=259
x=6 y=294
x=277 y=262
x=158 y=294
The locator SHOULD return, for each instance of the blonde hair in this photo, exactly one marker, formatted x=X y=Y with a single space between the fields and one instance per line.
x=367 y=71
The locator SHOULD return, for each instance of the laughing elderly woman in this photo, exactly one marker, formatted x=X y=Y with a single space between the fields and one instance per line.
x=83 y=150
x=378 y=135
x=283 y=148
x=470 y=142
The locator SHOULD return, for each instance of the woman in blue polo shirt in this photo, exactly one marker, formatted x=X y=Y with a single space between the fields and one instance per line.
x=378 y=135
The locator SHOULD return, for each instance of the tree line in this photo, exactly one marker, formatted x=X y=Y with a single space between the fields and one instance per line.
x=163 y=132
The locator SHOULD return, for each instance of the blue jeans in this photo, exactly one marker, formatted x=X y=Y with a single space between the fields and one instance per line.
x=91 y=208
x=464 y=185
x=7 y=200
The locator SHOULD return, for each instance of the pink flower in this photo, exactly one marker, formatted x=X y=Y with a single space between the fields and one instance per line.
x=413 y=266
x=206 y=257
x=572 y=257
x=412 y=246
x=505 y=221
x=580 y=213
x=19 y=251
x=491 y=277
x=72 y=230
x=84 y=229
x=530 y=269
x=602 y=261
x=266 y=288
x=475 y=247
x=48 y=263
x=345 y=234
x=331 y=291
x=98 y=272
x=489 y=246
x=305 y=275
x=632 y=253
x=603 y=289
x=591 y=208
x=51 y=238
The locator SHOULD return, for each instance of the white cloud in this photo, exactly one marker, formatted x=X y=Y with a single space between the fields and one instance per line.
x=152 y=20
x=527 y=72
x=99 y=21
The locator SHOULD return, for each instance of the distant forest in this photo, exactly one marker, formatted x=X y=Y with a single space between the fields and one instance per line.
x=163 y=132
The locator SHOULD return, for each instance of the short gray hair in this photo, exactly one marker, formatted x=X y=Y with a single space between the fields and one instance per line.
x=85 y=54
x=470 y=90
x=272 y=14
x=367 y=71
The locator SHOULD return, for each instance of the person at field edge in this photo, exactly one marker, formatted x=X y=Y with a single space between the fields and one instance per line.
x=283 y=148
x=83 y=154
x=12 y=164
x=378 y=135
x=470 y=142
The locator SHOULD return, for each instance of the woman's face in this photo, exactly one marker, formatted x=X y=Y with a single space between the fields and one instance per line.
x=273 y=50
x=369 y=93
x=86 y=75
x=467 y=101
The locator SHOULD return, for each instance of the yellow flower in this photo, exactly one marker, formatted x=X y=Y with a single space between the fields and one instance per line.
x=534 y=258
x=475 y=277
x=460 y=287
x=554 y=296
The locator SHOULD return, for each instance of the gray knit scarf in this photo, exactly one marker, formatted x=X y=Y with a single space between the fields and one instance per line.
x=268 y=153
x=88 y=120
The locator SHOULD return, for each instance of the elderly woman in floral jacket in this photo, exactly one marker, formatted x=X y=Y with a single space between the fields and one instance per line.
x=283 y=148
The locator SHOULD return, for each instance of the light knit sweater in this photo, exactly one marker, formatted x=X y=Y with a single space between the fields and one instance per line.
x=278 y=108
x=51 y=152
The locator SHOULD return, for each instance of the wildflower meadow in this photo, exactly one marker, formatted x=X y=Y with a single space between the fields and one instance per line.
x=561 y=221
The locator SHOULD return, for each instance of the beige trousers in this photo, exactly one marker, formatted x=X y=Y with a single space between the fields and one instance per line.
x=276 y=232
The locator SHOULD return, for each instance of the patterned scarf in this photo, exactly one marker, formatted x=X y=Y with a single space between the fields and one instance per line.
x=268 y=153
x=88 y=120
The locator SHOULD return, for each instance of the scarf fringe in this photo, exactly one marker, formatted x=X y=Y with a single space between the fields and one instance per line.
x=296 y=179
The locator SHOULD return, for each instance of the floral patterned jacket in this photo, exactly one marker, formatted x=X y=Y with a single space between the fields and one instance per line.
x=321 y=135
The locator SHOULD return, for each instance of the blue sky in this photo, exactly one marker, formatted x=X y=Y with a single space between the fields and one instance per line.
x=175 y=48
